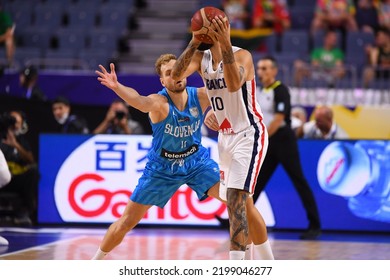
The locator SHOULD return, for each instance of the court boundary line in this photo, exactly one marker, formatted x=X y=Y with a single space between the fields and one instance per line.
x=42 y=246
x=53 y=230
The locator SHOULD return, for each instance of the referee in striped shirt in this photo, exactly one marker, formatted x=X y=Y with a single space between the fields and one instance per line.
x=274 y=99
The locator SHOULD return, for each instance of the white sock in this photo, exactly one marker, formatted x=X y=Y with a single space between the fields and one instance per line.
x=249 y=252
x=99 y=255
x=263 y=251
x=237 y=255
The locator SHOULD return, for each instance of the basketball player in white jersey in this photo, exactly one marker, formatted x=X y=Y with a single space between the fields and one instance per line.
x=229 y=77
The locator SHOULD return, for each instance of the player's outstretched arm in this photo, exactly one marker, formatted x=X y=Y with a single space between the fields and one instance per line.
x=131 y=96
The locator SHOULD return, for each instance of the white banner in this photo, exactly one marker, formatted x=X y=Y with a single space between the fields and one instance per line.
x=197 y=269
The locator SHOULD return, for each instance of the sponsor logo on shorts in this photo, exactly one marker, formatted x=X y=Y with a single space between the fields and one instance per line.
x=177 y=155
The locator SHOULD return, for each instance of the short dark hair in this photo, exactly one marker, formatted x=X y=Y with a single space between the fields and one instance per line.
x=61 y=99
x=270 y=58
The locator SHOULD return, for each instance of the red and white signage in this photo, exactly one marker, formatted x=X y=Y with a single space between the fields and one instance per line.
x=96 y=180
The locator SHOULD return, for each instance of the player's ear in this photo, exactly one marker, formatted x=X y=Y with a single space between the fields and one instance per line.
x=162 y=82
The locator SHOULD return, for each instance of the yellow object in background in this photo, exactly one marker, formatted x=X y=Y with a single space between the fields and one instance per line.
x=364 y=122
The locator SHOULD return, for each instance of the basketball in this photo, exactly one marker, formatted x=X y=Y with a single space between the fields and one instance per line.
x=201 y=23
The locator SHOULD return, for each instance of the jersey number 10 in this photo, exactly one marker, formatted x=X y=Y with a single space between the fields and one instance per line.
x=217 y=103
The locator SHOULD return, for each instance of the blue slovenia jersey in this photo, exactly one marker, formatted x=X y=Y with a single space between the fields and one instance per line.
x=179 y=135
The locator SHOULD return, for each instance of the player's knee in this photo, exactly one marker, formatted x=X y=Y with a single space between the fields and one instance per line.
x=125 y=224
x=236 y=196
x=214 y=191
x=250 y=204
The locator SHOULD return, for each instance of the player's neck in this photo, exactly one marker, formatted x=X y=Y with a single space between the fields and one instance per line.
x=216 y=55
x=179 y=99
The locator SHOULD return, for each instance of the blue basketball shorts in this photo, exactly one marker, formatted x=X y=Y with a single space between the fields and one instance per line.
x=162 y=178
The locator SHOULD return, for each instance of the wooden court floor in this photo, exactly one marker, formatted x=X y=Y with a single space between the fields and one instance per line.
x=183 y=244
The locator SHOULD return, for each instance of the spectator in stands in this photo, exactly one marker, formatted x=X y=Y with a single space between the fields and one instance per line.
x=7 y=28
x=322 y=127
x=298 y=117
x=326 y=63
x=335 y=14
x=28 y=79
x=367 y=16
x=119 y=121
x=238 y=13
x=384 y=14
x=271 y=14
x=22 y=165
x=378 y=58
x=67 y=123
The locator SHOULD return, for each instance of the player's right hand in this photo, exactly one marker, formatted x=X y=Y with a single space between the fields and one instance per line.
x=194 y=40
x=109 y=80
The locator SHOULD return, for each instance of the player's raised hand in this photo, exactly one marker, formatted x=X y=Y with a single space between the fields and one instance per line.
x=195 y=40
x=109 y=80
x=221 y=30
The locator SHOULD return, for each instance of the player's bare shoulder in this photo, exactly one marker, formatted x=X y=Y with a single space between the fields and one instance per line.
x=244 y=59
x=198 y=55
x=202 y=93
x=243 y=55
x=203 y=98
x=160 y=107
x=158 y=97
x=158 y=100
x=153 y=103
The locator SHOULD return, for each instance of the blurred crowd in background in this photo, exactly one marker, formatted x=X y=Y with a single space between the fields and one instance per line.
x=338 y=39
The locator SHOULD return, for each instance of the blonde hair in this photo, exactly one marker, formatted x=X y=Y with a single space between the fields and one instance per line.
x=163 y=59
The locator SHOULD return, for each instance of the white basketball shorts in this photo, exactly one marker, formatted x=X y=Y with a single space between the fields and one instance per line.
x=240 y=158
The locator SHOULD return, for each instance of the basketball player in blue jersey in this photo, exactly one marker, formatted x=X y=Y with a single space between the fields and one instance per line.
x=229 y=77
x=177 y=156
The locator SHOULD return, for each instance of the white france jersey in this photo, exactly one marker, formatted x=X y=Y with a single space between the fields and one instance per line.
x=235 y=111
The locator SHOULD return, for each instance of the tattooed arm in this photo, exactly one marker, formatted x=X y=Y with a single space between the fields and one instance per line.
x=238 y=67
x=233 y=72
x=188 y=62
x=240 y=70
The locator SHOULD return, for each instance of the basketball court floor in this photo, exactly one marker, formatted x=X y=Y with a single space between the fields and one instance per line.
x=147 y=243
